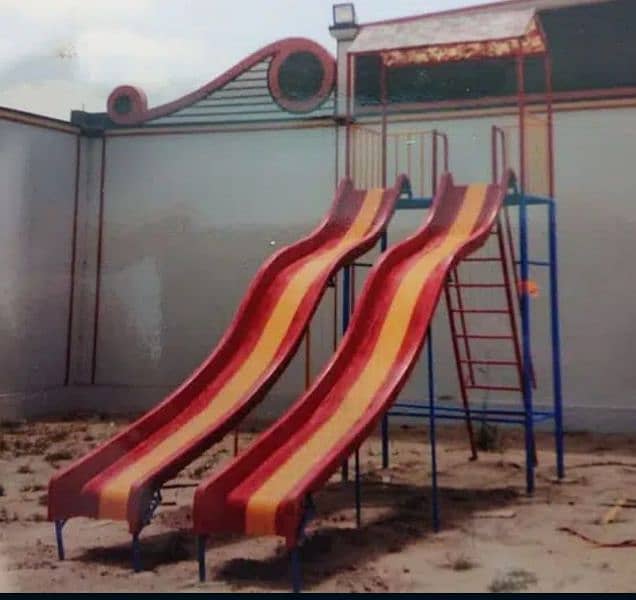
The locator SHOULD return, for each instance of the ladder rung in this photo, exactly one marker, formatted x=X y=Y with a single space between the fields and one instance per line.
x=485 y=337
x=477 y=285
x=497 y=363
x=481 y=311
x=496 y=388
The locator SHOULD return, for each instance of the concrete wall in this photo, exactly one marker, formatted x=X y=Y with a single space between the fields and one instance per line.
x=37 y=195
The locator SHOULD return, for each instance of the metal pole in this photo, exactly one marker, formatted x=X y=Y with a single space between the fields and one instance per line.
x=358 y=494
x=525 y=299
x=383 y=97
x=431 y=426
x=59 y=539
x=295 y=566
x=346 y=307
x=136 y=553
x=348 y=117
x=201 y=539
x=385 y=418
x=556 y=342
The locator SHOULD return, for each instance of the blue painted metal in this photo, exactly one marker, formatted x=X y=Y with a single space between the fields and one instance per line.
x=358 y=491
x=526 y=350
x=535 y=263
x=556 y=340
x=297 y=583
x=59 y=525
x=136 y=553
x=201 y=539
x=413 y=203
x=385 y=417
x=346 y=310
x=431 y=427
x=474 y=411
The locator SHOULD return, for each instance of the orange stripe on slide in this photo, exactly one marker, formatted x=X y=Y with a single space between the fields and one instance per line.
x=260 y=514
x=113 y=496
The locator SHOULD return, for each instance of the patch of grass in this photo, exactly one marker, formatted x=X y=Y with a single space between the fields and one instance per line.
x=515 y=580
x=1 y=490
x=24 y=469
x=461 y=563
x=58 y=455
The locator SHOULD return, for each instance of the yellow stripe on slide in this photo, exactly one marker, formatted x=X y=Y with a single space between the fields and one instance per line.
x=113 y=496
x=260 y=515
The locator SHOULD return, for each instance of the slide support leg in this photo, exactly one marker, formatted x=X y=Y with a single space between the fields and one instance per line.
x=201 y=539
x=136 y=553
x=295 y=568
x=432 y=432
x=358 y=492
x=556 y=342
x=59 y=538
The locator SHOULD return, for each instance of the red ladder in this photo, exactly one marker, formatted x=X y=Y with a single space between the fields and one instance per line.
x=465 y=342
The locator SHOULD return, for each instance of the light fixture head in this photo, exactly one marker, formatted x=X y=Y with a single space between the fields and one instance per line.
x=344 y=15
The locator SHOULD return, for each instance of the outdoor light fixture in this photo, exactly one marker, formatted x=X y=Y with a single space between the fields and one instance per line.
x=344 y=15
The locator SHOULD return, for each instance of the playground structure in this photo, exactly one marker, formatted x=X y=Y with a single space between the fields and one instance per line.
x=122 y=479
x=268 y=489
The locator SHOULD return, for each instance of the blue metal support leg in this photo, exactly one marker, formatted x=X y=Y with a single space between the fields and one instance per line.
x=59 y=525
x=295 y=566
x=556 y=341
x=432 y=433
x=136 y=553
x=346 y=309
x=527 y=356
x=201 y=539
x=385 y=418
x=358 y=492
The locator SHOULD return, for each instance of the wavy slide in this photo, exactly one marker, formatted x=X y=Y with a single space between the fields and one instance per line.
x=262 y=491
x=118 y=479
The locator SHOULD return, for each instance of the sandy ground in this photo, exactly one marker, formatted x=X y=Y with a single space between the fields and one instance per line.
x=493 y=537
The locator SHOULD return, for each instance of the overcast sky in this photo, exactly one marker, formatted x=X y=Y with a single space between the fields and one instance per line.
x=56 y=55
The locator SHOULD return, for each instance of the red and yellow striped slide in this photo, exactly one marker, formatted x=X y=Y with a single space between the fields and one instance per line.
x=118 y=479
x=262 y=491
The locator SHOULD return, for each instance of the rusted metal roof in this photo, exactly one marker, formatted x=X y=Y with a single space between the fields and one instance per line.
x=448 y=30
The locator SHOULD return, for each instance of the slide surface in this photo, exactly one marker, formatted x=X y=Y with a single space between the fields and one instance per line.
x=262 y=491
x=117 y=480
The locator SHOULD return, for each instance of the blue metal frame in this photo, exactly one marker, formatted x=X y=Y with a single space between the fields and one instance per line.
x=527 y=416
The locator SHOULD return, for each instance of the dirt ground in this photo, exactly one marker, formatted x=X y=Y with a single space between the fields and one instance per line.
x=493 y=536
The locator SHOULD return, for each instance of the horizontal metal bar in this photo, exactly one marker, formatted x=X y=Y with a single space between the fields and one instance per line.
x=413 y=203
x=496 y=363
x=482 y=259
x=494 y=388
x=475 y=411
x=457 y=417
x=477 y=285
x=481 y=311
x=515 y=200
x=536 y=263
x=484 y=337
x=362 y=264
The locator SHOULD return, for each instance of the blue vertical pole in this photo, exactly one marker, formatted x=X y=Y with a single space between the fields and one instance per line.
x=59 y=524
x=431 y=427
x=201 y=556
x=346 y=309
x=556 y=340
x=136 y=553
x=358 y=497
x=525 y=333
x=295 y=566
x=385 y=418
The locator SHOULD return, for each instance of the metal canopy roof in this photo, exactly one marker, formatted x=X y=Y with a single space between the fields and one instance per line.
x=453 y=37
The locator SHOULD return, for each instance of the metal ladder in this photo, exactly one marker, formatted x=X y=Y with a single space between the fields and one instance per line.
x=466 y=342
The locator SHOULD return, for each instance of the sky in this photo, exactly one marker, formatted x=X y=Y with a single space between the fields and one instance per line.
x=59 y=55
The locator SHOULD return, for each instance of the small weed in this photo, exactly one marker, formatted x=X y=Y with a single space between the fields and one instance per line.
x=24 y=469
x=461 y=563
x=516 y=580
x=488 y=438
x=35 y=487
